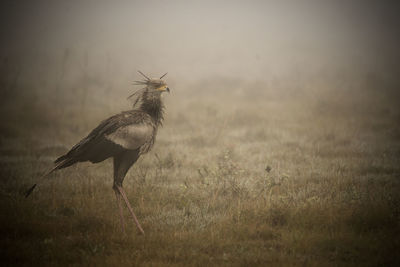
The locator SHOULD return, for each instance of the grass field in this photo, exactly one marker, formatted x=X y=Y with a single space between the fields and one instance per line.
x=242 y=174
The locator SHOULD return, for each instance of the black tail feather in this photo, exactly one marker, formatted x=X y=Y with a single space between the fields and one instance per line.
x=30 y=190
x=58 y=160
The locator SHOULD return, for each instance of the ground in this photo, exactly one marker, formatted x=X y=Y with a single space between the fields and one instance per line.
x=257 y=174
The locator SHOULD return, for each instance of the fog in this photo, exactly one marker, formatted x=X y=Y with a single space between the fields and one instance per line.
x=280 y=143
x=195 y=41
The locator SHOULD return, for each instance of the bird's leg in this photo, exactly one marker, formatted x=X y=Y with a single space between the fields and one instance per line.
x=122 y=163
x=121 y=214
x=122 y=192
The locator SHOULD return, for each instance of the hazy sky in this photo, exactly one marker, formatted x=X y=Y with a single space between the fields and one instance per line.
x=200 y=38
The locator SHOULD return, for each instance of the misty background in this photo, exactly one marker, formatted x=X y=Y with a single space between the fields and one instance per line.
x=198 y=41
x=280 y=144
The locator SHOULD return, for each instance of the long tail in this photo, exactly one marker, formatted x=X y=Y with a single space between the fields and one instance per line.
x=30 y=190
x=60 y=163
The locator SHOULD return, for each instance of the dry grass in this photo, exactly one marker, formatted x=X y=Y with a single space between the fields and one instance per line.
x=297 y=178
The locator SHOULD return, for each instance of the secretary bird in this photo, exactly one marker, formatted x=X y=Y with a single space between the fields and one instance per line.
x=123 y=137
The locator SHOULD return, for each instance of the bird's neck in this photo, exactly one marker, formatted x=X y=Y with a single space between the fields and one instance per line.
x=153 y=106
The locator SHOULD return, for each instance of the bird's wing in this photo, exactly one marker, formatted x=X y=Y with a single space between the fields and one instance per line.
x=127 y=129
x=131 y=136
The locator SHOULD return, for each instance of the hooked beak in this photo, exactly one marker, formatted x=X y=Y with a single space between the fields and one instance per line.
x=167 y=89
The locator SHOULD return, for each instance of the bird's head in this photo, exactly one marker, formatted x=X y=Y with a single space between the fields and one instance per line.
x=158 y=85
x=153 y=85
x=153 y=88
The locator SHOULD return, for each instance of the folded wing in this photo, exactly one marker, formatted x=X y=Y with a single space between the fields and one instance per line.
x=125 y=131
x=131 y=136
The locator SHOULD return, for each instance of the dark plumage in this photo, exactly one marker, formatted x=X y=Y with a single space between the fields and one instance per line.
x=123 y=137
x=97 y=146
